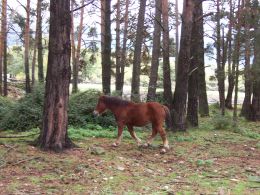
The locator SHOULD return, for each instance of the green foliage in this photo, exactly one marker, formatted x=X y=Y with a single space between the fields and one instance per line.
x=81 y=107
x=221 y=122
x=208 y=162
x=24 y=114
x=5 y=105
x=247 y=132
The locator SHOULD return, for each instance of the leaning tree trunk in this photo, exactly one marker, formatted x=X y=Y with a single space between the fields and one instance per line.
x=181 y=88
x=106 y=48
x=156 y=52
x=135 y=87
x=54 y=135
x=176 y=35
x=167 y=87
x=4 y=46
x=26 y=49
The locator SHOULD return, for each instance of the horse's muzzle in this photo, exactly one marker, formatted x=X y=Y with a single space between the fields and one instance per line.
x=95 y=113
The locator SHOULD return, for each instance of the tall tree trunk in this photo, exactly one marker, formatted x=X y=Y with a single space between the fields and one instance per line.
x=155 y=52
x=228 y=100
x=197 y=61
x=202 y=88
x=248 y=83
x=39 y=42
x=26 y=49
x=4 y=44
x=176 y=36
x=118 y=48
x=135 y=88
x=34 y=54
x=220 y=69
x=123 y=52
x=237 y=65
x=181 y=88
x=167 y=87
x=255 y=106
x=54 y=135
x=77 y=59
x=106 y=48
x=72 y=31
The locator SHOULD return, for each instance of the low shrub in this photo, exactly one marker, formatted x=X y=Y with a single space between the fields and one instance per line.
x=221 y=122
x=81 y=107
x=24 y=114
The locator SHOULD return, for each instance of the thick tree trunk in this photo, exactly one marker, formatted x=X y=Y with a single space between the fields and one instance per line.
x=181 y=88
x=167 y=87
x=77 y=59
x=54 y=134
x=106 y=48
x=202 y=88
x=247 y=72
x=197 y=61
x=255 y=106
x=4 y=48
x=39 y=42
x=156 y=52
x=135 y=88
x=26 y=49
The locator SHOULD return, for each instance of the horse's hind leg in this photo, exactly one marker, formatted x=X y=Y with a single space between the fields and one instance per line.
x=132 y=133
x=164 y=138
x=152 y=136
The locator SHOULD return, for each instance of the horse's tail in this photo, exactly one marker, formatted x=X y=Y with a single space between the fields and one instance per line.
x=168 y=118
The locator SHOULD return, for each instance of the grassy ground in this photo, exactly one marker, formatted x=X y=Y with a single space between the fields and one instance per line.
x=205 y=160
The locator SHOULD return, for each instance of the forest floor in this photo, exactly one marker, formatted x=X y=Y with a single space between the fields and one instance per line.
x=200 y=161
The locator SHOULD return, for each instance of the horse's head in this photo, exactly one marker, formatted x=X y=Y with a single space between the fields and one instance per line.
x=100 y=107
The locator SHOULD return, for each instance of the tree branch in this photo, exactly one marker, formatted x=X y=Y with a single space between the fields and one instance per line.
x=78 y=8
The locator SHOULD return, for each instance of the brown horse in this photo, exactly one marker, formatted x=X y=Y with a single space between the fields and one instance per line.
x=132 y=114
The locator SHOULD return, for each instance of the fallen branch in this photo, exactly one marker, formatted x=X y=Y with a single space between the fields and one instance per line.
x=19 y=162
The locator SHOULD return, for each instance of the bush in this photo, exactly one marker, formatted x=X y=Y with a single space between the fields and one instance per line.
x=221 y=122
x=5 y=105
x=26 y=113
x=81 y=107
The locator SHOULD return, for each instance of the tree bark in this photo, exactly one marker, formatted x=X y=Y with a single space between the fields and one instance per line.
x=181 y=88
x=26 y=49
x=4 y=46
x=228 y=100
x=167 y=87
x=39 y=42
x=106 y=48
x=237 y=65
x=135 y=87
x=118 y=48
x=220 y=73
x=155 y=52
x=54 y=135
x=77 y=57
x=197 y=61
x=247 y=72
x=123 y=52
x=176 y=36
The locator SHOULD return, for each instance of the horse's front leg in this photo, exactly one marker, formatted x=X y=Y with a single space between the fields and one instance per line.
x=119 y=135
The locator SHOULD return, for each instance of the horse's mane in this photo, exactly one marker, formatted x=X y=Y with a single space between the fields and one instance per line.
x=115 y=101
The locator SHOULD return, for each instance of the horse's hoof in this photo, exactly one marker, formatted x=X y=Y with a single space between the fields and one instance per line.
x=115 y=145
x=163 y=151
x=145 y=145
